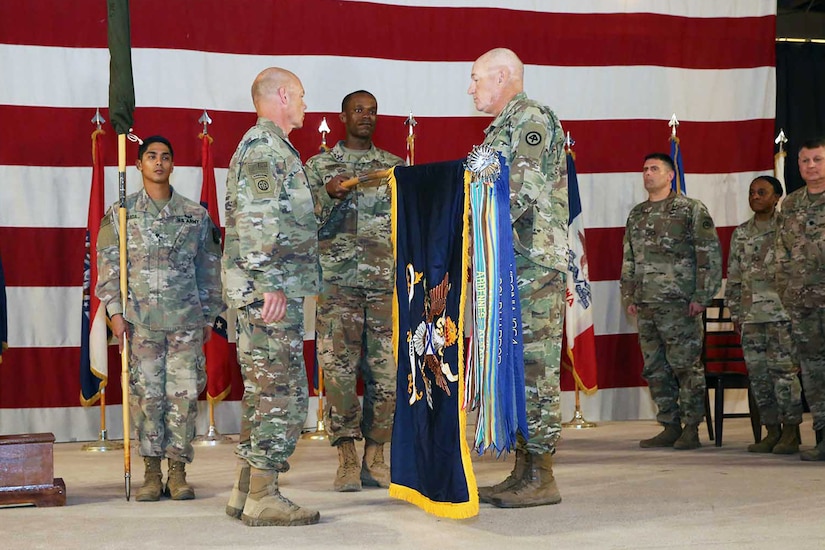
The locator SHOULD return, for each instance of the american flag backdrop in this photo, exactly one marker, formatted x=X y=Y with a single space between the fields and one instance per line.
x=613 y=70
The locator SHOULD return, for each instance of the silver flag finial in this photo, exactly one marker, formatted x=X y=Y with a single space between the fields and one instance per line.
x=206 y=121
x=323 y=129
x=781 y=140
x=411 y=122
x=674 y=123
x=569 y=141
x=97 y=119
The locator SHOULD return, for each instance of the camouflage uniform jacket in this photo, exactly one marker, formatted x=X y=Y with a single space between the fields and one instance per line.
x=354 y=234
x=801 y=251
x=173 y=262
x=671 y=253
x=751 y=287
x=530 y=137
x=271 y=233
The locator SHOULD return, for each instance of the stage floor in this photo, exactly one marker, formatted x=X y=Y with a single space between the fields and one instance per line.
x=616 y=495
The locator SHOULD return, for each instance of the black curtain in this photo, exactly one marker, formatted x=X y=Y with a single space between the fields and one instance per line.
x=800 y=100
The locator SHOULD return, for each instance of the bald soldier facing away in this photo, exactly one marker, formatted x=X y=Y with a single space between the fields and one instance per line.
x=270 y=264
x=530 y=137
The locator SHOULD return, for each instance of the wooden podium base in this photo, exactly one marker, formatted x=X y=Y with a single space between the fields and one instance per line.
x=27 y=471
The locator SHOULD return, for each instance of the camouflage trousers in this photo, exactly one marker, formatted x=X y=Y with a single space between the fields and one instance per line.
x=354 y=334
x=809 y=338
x=541 y=291
x=274 y=404
x=671 y=343
x=167 y=372
x=768 y=350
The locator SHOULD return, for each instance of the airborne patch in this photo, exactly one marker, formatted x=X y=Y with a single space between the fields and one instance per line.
x=533 y=136
x=261 y=180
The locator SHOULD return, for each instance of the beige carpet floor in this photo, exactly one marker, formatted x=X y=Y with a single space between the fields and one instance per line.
x=616 y=495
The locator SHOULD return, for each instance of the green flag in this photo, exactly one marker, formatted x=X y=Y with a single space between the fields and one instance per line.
x=121 y=85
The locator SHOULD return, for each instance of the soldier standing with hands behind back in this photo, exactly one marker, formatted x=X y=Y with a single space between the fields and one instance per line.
x=801 y=279
x=764 y=324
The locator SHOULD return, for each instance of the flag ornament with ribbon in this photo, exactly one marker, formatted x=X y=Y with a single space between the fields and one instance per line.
x=94 y=335
x=579 y=334
x=678 y=183
x=432 y=205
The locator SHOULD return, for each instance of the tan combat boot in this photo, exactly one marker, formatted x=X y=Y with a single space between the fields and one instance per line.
x=374 y=471
x=789 y=441
x=240 y=489
x=768 y=442
x=538 y=487
x=347 y=478
x=152 y=486
x=176 y=486
x=485 y=494
x=666 y=438
x=689 y=438
x=266 y=506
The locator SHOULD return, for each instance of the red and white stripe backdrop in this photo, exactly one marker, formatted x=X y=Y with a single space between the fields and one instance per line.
x=614 y=71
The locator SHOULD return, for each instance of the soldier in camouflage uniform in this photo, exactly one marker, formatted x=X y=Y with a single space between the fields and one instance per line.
x=671 y=270
x=270 y=264
x=355 y=303
x=801 y=279
x=757 y=312
x=530 y=137
x=174 y=294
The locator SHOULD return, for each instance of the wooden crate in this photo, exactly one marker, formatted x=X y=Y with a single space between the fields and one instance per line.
x=27 y=471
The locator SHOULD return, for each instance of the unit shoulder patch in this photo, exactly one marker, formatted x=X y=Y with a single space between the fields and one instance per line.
x=533 y=138
x=262 y=183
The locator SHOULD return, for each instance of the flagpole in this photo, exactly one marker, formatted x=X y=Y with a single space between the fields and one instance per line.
x=124 y=353
x=675 y=153
x=779 y=165
x=103 y=443
x=410 y=123
x=366 y=178
x=213 y=436
x=320 y=433
x=578 y=421
x=121 y=113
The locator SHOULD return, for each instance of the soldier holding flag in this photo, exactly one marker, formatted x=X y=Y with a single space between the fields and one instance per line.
x=530 y=137
x=356 y=295
x=174 y=294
